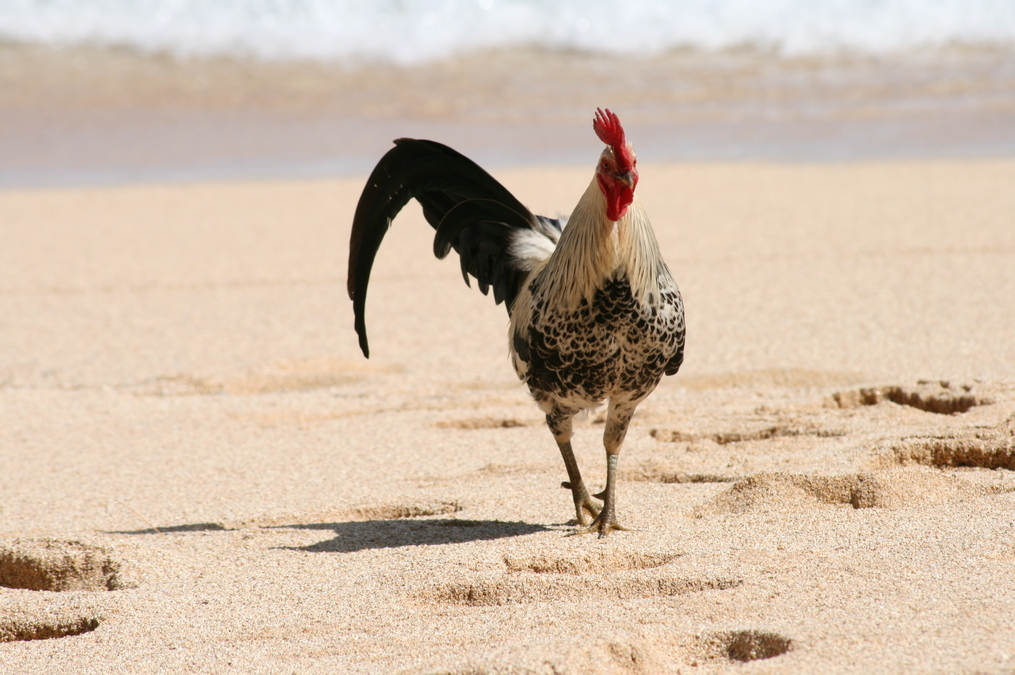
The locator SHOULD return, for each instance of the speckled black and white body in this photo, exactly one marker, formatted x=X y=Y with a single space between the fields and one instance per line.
x=595 y=314
x=611 y=331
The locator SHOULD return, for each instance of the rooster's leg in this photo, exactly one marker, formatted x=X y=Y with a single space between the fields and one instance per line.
x=559 y=421
x=613 y=438
x=582 y=500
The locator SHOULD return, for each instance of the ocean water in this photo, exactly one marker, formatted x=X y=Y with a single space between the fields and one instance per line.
x=113 y=91
x=416 y=31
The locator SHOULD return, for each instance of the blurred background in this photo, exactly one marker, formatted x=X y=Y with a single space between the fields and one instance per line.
x=114 y=91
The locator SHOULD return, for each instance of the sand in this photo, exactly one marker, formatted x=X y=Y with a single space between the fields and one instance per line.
x=200 y=473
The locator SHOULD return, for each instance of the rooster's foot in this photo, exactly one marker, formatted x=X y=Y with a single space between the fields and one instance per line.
x=583 y=504
x=603 y=526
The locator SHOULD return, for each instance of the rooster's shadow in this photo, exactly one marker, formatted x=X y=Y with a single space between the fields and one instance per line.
x=374 y=534
x=361 y=535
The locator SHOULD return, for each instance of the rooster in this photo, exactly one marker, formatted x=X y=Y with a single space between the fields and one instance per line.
x=595 y=314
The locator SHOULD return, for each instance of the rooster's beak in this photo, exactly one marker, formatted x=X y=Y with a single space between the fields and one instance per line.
x=626 y=178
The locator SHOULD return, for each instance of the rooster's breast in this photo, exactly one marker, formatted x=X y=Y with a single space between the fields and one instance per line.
x=609 y=346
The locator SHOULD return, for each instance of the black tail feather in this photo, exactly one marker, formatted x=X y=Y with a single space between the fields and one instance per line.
x=471 y=212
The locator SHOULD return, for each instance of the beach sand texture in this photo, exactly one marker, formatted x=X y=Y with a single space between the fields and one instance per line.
x=200 y=473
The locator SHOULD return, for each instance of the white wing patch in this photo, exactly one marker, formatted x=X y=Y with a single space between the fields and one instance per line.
x=529 y=248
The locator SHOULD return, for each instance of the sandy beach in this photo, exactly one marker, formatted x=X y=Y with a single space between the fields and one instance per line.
x=200 y=473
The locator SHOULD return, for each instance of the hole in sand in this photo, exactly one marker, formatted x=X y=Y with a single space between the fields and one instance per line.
x=748 y=645
x=14 y=631
x=516 y=589
x=480 y=423
x=941 y=397
x=45 y=565
x=589 y=563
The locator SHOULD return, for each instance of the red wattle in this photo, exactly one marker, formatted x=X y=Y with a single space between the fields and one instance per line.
x=618 y=198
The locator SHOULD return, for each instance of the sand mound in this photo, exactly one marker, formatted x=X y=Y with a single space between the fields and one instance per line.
x=891 y=488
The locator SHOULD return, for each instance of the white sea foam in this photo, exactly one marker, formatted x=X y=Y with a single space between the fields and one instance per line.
x=413 y=31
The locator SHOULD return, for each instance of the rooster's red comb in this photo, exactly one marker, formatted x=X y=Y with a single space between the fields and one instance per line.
x=607 y=126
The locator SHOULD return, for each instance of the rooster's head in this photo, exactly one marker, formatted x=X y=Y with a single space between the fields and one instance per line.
x=618 y=168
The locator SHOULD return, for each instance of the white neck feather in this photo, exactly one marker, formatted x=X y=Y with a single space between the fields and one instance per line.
x=592 y=249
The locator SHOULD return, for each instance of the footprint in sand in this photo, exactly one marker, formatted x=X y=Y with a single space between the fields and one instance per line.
x=617 y=575
x=763 y=433
x=626 y=653
x=409 y=510
x=17 y=629
x=59 y=566
x=304 y=374
x=941 y=397
x=472 y=423
x=49 y=565
x=742 y=645
x=892 y=488
x=984 y=448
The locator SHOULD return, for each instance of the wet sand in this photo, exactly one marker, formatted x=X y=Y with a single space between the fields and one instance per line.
x=93 y=117
x=199 y=472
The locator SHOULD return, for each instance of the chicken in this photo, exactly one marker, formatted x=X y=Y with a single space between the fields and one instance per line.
x=595 y=314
